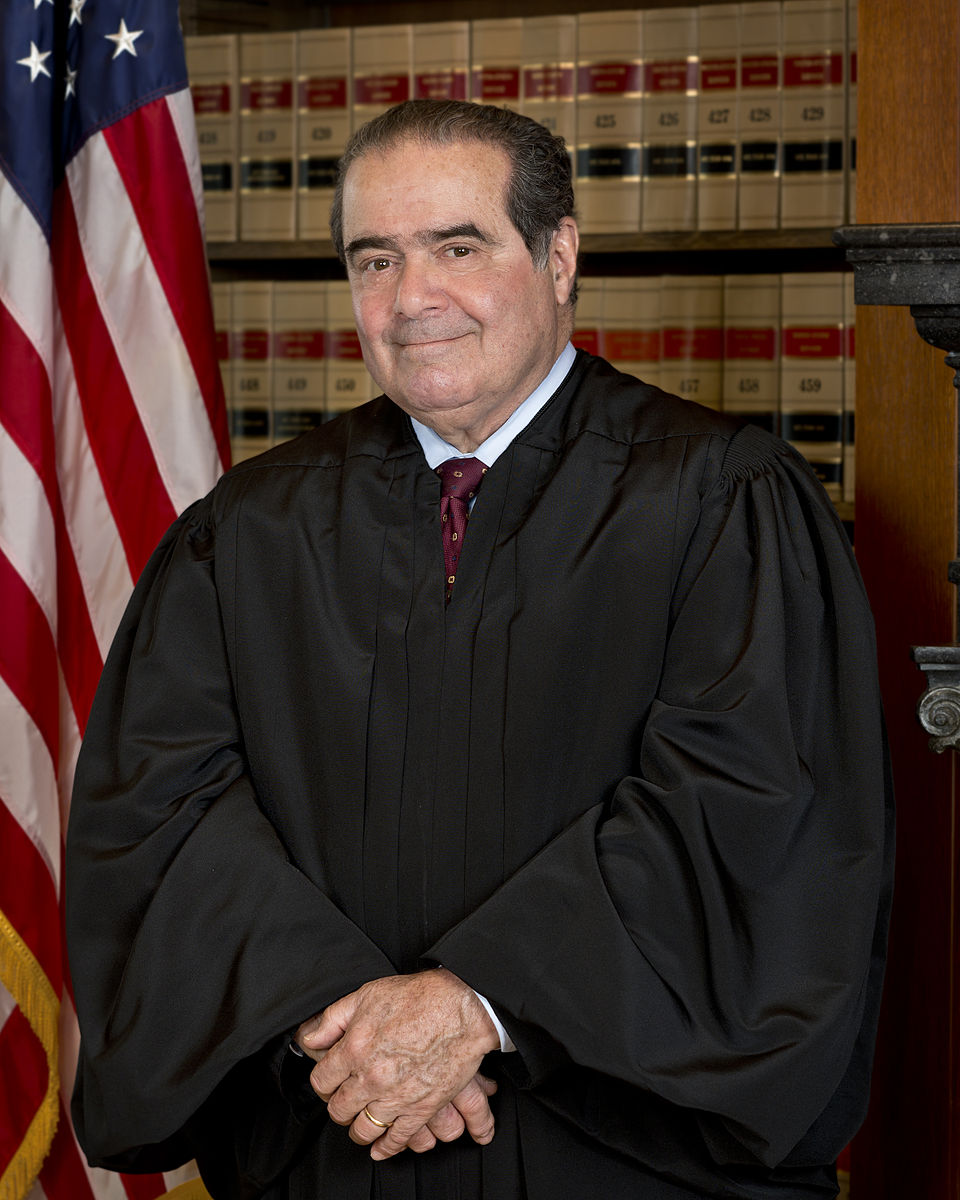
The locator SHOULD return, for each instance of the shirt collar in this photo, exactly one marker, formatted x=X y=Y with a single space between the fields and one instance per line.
x=436 y=450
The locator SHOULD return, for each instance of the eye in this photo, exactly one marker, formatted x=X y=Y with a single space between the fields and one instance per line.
x=377 y=264
x=459 y=251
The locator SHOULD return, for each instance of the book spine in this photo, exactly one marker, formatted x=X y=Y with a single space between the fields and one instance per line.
x=250 y=346
x=719 y=119
x=323 y=104
x=549 y=74
x=751 y=344
x=851 y=180
x=496 y=61
x=811 y=372
x=441 y=60
x=631 y=325
x=347 y=381
x=213 y=69
x=671 y=72
x=299 y=366
x=268 y=132
x=382 y=69
x=761 y=140
x=849 y=390
x=691 y=318
x=222 y=298
x=588 y=331
x=814 y=113
x=609 y=121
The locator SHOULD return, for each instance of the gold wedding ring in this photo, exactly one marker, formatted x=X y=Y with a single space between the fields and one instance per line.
x=373 y=1120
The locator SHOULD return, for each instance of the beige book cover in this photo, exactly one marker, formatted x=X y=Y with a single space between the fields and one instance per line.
x=609 y=120
x=761 y=103
x=631 y=325
x=299 y=365
x=441 y=60
x=382 y=69
x=323 y=123
x=671 y=79
x=718 y=116
x=549 y=73
x=691 y=323
x=751 y=349
x=812 y=190
x=251 y=304
x=812 y=371
x=213 y=68
x=348 y=382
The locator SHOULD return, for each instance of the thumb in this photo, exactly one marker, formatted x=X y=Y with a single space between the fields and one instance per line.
x=326 y=1028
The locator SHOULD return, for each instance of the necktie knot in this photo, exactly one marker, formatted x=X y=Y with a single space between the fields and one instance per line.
x=459 y=478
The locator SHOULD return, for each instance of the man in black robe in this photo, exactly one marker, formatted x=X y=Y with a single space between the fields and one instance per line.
x=560 y=871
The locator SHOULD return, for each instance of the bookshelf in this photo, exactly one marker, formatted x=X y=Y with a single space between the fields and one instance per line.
x=908 y=170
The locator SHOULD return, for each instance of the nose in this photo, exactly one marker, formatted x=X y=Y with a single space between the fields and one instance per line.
x=420 y=289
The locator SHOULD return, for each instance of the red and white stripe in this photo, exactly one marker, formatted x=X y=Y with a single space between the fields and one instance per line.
x=111 y=422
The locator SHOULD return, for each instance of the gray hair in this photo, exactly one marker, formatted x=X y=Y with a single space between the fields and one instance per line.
x=540 y=187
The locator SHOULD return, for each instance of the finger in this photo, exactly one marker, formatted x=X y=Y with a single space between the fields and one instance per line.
x=320 y=1032
x=422 y=1141
x=397 y=1137
x=447 y=1125
x=489 y=1085
x=474 y=1108
x=367 y=1126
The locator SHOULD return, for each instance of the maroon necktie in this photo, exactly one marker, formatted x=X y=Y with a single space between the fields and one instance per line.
x=460 y=478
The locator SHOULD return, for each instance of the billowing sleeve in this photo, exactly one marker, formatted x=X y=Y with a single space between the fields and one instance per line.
x=193 y=940
x=710 y=943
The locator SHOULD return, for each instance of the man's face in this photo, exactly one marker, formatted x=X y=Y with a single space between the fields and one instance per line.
x=457 y=325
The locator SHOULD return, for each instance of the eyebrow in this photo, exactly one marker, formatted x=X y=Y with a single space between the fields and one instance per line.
x=427 y=237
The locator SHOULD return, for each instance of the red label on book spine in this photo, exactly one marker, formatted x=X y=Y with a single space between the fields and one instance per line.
x=440 y=85
x=343 y=343
x=299 y=343
x=759 y=71
x=699 y=344
x=610 y=78
x=381 y=89
x=251 y=344
x=751 y=343
x=260 y=94
x=632 y=345
x=675 y=75
x=548 y=82
x=812 y=70
x=210 y=98
x=323 y=93
x=718 y=74
x=587 y=339
x=813 y=341
x=496 y=83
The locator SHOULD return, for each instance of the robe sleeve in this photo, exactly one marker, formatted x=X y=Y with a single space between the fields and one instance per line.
x=194 y=942
x=714 y=935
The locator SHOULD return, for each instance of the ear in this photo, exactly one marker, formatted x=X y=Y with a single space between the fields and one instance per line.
x=563 y=258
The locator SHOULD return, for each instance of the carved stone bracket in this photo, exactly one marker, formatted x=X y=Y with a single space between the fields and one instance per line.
x=919 y=266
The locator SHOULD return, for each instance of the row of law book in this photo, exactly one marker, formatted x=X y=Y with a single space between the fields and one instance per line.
x=777 y=350
x=705 y=117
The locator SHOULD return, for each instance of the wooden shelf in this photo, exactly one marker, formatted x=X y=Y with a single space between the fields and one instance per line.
x=592 y=243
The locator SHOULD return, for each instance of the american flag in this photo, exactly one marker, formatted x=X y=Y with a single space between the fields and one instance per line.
x=111 y=421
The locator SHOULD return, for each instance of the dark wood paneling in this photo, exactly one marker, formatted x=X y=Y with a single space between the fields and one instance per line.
x=909 y=170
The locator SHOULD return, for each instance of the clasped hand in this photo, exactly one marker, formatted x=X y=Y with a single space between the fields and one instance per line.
x=404 y=1050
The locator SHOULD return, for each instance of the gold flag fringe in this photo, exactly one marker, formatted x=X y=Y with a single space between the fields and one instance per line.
x=26 y=982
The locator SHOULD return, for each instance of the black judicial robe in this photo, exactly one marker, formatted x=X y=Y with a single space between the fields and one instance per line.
x=630 y=785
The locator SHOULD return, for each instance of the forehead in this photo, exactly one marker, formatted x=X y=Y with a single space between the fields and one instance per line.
x=415 y=182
